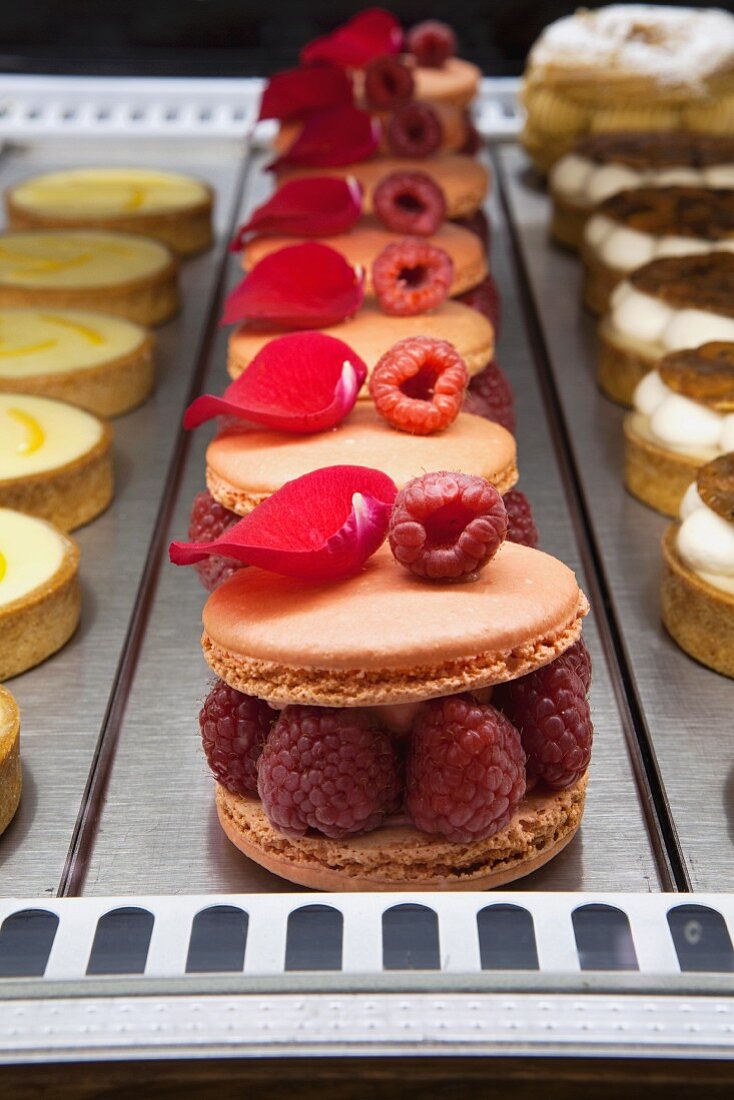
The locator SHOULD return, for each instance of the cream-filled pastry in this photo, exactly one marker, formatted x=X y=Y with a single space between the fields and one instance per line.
x=698 y=568
x=39 y=591
x=99 y=362
x=167 y=206
x=132 y=277
x=55 y=460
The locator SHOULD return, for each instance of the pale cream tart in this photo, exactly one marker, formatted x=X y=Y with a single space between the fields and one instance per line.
x=167 y=206
x=10 y=770
x=602 y=165
x=628 y=67
x=39 y=591
x=697 y=592
x=99 y=362
x=629 y=229
x=55 y=460
x=131 y=277
x=668 y=305
x=683 y=417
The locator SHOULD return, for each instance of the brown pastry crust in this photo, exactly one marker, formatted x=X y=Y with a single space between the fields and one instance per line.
x=185 y=230
x=38 y=624
x=690 y=282
x=623 y=363
x=567 y=222
x=400 y=857
x=10 y=770
x=704 y=374
x=150 y=300
x=699 y=617
x=645 y=149
x=108 y=389
x=657 y=477
x=70 y=495
x=599 y=281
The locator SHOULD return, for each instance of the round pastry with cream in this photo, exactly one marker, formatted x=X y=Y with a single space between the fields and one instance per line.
x=463 y=180
x=167 y=206
x=632 y=228
x=698 y=568
x=55 y=460
x=362 y=245
x=371 y=332
x=39 y=591
x=628 y=67
x=11 y=778
x=683 y=417
x=602 y=165
x=99 y=362
x=667 y=305
x=131 y=277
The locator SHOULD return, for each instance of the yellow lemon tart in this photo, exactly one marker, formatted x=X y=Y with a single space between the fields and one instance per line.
x=102 y=363
x=39 y=591
x=132 y=277
x=170 y=207
x=10 y=774
x=55 y=460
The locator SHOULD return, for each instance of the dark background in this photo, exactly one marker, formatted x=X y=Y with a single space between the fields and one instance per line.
x=240 y=37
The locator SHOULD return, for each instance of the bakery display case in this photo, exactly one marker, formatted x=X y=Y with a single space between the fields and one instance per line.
x=131 y=930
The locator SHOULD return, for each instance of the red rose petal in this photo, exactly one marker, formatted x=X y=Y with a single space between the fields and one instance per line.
x=316 y=206
x=320 y=527
x=304 y=382
x=328 y=139
x=294 y=93
x=302 y=286
x=368 y=34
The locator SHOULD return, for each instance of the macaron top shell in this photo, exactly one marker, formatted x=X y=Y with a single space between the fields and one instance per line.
x=385 y=636
x=363 y=244
x=371 y=332
x=456 y=82
x=252 y=463
x=463 y=180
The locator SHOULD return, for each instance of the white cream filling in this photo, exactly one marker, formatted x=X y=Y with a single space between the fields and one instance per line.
x=640 y=316
x=676 y=422
x=587 y=183
x=705 y=542
x=626 y=249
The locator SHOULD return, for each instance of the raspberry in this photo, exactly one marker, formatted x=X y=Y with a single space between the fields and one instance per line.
x=477 y=223
x=233 y=731
x=414 y=130
x=387 y=82
x=465 y=772
x=431 y=43
x=328 y=769
x=579 y=659
x=447 y=526
x=485 y=297
x=520 y=523
x=411 y=276
x=419 y=385
x=493 y=397
x=409 y=202
x=209 y=520
x=473 y=141
x=550 y=709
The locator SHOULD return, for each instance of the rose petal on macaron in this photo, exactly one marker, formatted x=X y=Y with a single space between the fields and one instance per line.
x=304 y=382
x=305 y=285
x=368 y=34
x=316 y=206
x=293 y=93
x=320 y=527
x=337 y=136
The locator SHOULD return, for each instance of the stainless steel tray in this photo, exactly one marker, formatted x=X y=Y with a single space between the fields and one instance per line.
x=118 y=814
